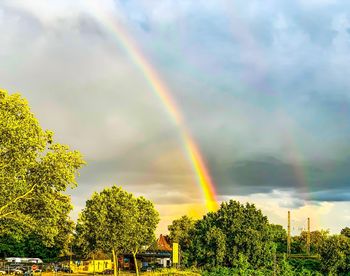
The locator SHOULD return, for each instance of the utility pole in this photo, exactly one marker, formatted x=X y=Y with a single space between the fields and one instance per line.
x=308 y=237
x=288 y=237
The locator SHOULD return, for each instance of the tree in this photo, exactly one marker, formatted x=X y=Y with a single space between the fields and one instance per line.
x=180 y=232
x=245 y=231
x=113 y=220
x=34 y=171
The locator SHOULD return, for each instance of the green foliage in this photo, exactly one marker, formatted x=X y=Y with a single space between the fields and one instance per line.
x=217 y=241
x=174 y=271
x=219 y=238
x=227 y=271
x=219 y=271
x=305 y=264
x=335 y=255
x=34 y=171
x=104 y=222
x=210 y=249
x=284 y=268
x=279 y=237
x=179 y=231
x=242 y=265
x=316 y=240
x=243 y=268
x=144 y=220
x=31 y=244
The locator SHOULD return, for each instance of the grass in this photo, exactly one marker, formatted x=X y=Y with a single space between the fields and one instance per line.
x=162 y=272
x=171 y=272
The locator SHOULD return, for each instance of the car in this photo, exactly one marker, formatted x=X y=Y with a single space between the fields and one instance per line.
x=108 y=271
x=146 y=269
x=63 y=269
x=16 y=270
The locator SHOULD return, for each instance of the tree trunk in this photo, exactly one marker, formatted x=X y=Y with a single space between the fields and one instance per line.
x=115 y=262
x=135 y=261
x=93 y=262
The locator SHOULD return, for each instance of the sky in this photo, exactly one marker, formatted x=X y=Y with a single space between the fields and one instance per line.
x=262 y=87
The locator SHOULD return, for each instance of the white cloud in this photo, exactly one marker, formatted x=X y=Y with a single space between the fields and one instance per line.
x=325 y=215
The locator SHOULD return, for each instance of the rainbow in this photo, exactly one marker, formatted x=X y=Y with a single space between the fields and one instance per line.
x=161 y=90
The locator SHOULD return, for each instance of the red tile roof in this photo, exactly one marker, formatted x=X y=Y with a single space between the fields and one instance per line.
x=162 y=244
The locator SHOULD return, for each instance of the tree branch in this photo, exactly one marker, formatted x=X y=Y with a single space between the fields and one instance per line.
x=6 y=214
x=16 y=199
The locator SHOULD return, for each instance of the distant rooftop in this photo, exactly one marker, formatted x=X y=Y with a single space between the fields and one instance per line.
x=162 y=244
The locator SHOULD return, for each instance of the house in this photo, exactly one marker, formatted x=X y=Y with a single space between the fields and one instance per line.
x=91 y=266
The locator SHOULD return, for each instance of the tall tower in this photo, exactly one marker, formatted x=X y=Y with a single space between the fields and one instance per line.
x=288 y=237
x=308 y=237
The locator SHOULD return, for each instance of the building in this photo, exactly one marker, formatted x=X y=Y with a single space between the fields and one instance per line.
x=164 y=252
x=91 y=266
x=157 y=255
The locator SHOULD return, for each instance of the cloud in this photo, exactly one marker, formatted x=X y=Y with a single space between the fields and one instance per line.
x=263 y=88
x=308 y=182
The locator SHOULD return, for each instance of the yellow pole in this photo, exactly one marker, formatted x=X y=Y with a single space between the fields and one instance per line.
x=308 y=237
x=288 y=237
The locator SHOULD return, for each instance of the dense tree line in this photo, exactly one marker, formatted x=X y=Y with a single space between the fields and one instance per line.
x=239 y=240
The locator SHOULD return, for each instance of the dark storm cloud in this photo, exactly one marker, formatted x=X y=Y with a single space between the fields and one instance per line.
x=331 y=195
x=317 y=181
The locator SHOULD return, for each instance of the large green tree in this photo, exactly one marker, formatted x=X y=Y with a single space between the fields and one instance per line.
x=34 y=173
x=244 y=230
x=115 y=221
